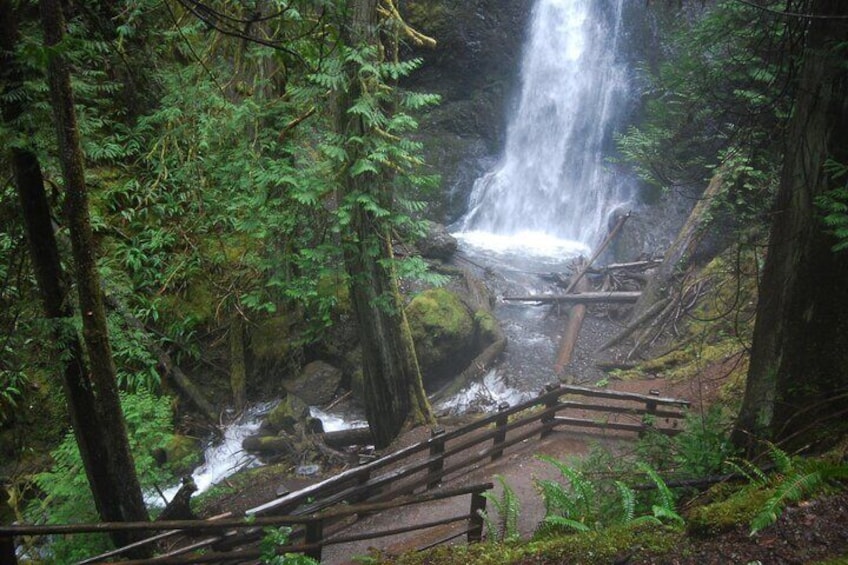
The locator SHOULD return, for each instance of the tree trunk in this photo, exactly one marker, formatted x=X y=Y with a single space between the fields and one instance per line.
x=238 y=373
x=394 y=393
x=681 y=254
x=797 y=385
x=121 y=498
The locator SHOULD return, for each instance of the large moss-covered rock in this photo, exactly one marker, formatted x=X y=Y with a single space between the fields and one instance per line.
x=317 y=383
x=286 y=414
x=443 y=331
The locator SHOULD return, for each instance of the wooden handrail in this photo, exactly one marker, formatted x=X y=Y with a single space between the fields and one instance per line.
x=371 y=482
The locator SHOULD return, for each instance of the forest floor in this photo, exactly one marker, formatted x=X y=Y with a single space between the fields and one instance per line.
x=809 y=532
x=805 y=533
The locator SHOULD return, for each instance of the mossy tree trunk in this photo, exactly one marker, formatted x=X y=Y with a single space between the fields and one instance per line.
x=238 y=373
x=110 y=466
x=394 y=393
x=797 y=388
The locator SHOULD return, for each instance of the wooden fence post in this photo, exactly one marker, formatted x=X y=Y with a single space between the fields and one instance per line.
x=500 y=436
x=7 y=550
x=651 y=410
x=314 y=535
x=475 y=518
x=549 y=404
x=437 y=448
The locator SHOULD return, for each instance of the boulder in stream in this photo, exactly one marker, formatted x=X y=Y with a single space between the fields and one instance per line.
x=443 y=331
x=286 y=415
x=316 y=384
x=438 y=243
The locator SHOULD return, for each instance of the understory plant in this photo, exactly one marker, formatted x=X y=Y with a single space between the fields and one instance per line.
x=66 y=497
x=795 y=480
x=274 y=539
x=580 y=504
x=502 y=526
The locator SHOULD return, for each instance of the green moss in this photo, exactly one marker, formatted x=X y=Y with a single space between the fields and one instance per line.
x=441 y=326
x=739 y=506
x=487 y=324
x=182 y=454
x=334 y=287
x=270 y=338
x=195 y=306
x=287 y=413
x=597 y=547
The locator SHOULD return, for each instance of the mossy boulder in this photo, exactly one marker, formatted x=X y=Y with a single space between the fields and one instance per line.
x=270 y=445
x=443 y=330
x=181 y=454
x=286 y=415
x=316 y=384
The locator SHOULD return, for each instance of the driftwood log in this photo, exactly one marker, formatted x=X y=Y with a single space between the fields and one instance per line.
x=627 y=297
x=578 y=311
x=351 y=436
x=572 y=329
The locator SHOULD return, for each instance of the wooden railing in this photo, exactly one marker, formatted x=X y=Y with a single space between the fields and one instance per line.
x=445 y=456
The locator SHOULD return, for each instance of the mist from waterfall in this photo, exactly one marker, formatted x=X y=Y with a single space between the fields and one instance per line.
x=553 y=188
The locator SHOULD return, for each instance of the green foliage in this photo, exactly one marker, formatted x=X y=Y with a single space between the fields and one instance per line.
x=272 y=540
x=704 y=445
x=834 y=204
x=503 y=526
x=796 y=482
x=66 y=494
x=719 y=97
x=584 y=505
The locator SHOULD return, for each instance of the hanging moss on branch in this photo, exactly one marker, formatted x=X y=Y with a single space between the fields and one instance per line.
x=388 y=10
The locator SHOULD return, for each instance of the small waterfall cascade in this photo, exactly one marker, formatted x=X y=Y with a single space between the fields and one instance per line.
x=552 y=182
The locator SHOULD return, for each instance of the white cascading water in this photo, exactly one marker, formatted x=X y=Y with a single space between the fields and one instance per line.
x=552 y=182
x=551 y=195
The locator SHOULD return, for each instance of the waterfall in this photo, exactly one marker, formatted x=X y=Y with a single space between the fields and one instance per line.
x=553 y=182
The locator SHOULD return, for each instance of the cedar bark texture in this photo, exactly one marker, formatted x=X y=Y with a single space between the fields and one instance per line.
x=394 y=393
x=797 y=388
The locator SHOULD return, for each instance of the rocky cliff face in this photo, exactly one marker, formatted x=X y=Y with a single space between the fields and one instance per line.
x=474 y=67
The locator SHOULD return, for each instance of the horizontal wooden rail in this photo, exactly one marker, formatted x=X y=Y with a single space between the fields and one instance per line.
x=424 y=465
x=200 y=526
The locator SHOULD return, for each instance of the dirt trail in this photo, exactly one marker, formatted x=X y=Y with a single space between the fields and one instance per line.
x=520 y=468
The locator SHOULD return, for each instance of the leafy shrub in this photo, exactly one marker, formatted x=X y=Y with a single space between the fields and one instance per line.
x=66 y=494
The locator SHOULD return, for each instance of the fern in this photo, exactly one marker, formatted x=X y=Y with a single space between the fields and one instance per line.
x=554 y=521
x=628 y=502
x=503 y=528
x=782 y=461
x=666 y=497
x=748 y=470
x=797 y=486
x=581 y=499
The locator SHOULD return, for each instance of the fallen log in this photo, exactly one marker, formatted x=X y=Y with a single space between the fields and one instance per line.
x=572 y=330
x=631 y=266
x=351 y=436
x=581 y=298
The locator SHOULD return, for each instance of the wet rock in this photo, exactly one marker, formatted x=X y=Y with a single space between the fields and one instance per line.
x=474 y=68
x=181 y=454
x=438 y=243
x=443 y=331
x=317 y=383
x=286 y=415
x=269 y=445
